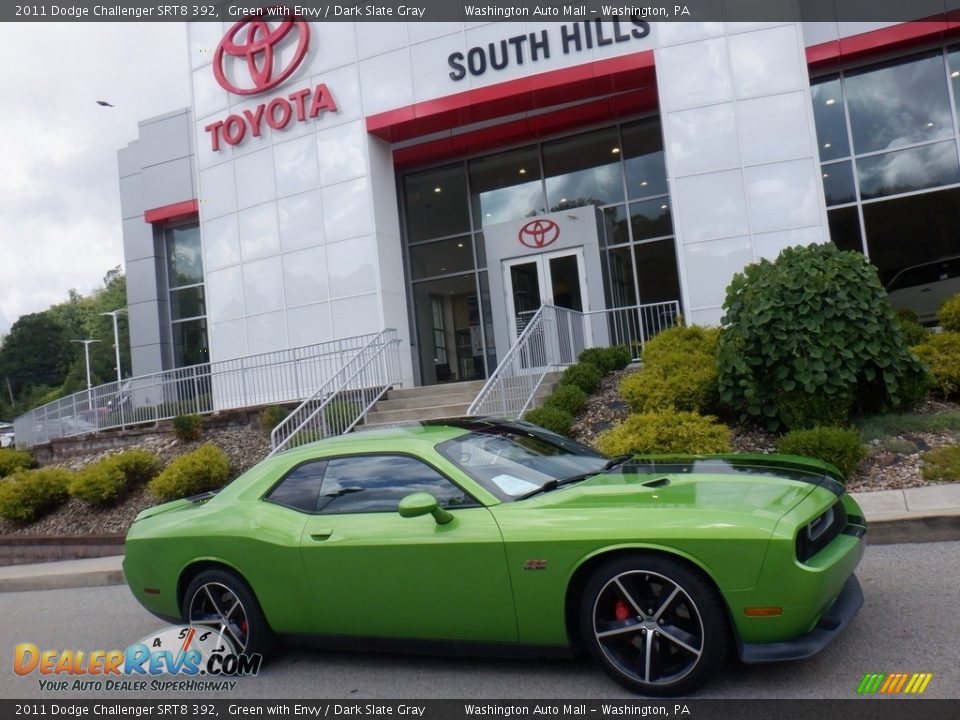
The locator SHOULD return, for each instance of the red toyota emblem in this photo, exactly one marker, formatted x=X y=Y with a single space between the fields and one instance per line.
x=258 y=46
x=539 y=233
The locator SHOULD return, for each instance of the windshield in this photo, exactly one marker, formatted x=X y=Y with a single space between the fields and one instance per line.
x=513 y=461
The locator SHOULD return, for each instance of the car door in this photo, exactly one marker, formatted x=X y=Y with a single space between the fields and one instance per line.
x=375 y=573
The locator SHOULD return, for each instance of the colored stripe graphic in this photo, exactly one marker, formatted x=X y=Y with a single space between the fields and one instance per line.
x=894 y=683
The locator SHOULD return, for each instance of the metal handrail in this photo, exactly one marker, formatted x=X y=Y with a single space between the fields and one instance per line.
x=554 y=338
x=346 y=398
x=282 y=376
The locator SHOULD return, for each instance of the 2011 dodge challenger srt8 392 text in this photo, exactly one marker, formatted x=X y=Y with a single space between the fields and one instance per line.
x=480 y=535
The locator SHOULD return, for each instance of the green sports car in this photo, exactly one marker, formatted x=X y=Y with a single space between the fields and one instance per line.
x=483 y=535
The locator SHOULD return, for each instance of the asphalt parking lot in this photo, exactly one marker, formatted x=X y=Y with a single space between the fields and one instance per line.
x=909 y=623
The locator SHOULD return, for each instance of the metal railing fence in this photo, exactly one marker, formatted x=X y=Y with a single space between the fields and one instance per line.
x=283 y=376
x=554 y=338
x=344 y=400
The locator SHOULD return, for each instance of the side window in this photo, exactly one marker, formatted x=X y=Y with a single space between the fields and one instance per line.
x=301 y=488
x=377 y=483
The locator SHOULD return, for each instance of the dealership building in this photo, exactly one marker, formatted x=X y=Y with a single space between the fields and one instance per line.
x=446 y=179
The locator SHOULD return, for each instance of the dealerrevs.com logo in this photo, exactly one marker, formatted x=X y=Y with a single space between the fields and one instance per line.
x=187 y=653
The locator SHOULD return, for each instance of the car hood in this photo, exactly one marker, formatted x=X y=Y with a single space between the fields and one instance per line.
x=761 y=485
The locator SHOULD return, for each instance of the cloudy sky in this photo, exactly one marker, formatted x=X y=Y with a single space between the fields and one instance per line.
x=59 y=197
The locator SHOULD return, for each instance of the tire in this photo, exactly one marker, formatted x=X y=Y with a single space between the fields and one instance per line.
x=215 y=594
x=647 y=606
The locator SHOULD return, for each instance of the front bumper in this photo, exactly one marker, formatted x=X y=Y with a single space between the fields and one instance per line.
x=831 y=624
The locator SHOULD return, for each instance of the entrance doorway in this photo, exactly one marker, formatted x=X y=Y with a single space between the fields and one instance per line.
x=555 y=278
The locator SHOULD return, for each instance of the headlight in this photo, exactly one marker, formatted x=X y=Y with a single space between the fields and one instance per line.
x=818 y=533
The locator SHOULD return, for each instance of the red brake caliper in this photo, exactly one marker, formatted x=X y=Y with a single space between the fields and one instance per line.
x=621 y=610
x=243 y=627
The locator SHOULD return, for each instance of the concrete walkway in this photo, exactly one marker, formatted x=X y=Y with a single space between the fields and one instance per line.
x=927 y=514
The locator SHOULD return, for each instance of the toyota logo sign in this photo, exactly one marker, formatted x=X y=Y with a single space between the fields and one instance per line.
x=539 y=233
x=255 y=41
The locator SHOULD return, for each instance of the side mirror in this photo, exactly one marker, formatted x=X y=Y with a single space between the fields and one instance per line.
x=423 y=503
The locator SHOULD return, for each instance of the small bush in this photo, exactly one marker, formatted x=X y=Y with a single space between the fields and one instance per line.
x=187 y=427
x=941 y=354
x=802 y=411
x=666 y=431
x=942 y=464
x=838 y=446
x=340 y=413
x=107 y=481
x=271 y=417
x=816 y=320
x=12 y=460
x=679 y=371
x=100 y=483
x=567 y=397
x=949 y=314
x=585 y=376
x=206 y=468
x=26 y=495
x=913 y=332
x=907 y=314
x=608 y=359
x=552 y=418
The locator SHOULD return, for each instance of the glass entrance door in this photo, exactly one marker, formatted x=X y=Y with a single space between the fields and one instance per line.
x=556 y=278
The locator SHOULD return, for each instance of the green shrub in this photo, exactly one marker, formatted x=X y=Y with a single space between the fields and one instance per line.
x=679 y=371
x=838 y=446
x=666 y=431
x=817 y=320
x=584 y=375
x=913 y=332
x=271 y=417
x=608 y=359
x=12 y=460
x=26 y=495
x=108 y=480
x=800 y=410
x=187 y=427
x=941 y=354
x=907 y=315
x=552 y=418
x=340 y=413
x=567 y=397
x=942 y=464
x=206 y=468
x=949 y=314
x=100 y=483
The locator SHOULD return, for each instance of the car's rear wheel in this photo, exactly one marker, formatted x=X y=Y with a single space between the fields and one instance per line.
x=656 y=626
x=224 y=602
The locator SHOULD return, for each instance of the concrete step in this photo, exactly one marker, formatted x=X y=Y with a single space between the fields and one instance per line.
x=427 y=413
x=473 y=386
x=423 y=401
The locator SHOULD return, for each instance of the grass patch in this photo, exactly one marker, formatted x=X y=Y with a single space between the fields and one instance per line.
x=942 y=464
x=879 y=427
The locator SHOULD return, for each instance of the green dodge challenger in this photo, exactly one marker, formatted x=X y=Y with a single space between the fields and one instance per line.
x=484 y=535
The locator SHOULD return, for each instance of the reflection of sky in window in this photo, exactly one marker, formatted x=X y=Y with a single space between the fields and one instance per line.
x=510 y=203
x=906 y=170
x=829 y=117
x=183 y=248
x=899 y=105
x=600 y=185
x=646 y=175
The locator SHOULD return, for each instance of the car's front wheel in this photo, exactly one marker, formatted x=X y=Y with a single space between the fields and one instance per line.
x=656 y=626
x=223 y=601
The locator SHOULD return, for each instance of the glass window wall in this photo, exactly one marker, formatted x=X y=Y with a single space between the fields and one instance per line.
x=888 y=142
x=188 y=323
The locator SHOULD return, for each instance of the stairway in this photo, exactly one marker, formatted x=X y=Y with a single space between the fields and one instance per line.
x=438 y=401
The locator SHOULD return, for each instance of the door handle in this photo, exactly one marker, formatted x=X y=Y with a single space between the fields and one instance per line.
x=321 y=535
x=926 y=290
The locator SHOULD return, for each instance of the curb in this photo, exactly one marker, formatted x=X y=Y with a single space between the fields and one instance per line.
x=101 y=572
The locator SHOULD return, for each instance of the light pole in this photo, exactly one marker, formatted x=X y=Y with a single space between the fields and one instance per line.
x=86 y=357
x=116 y=341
